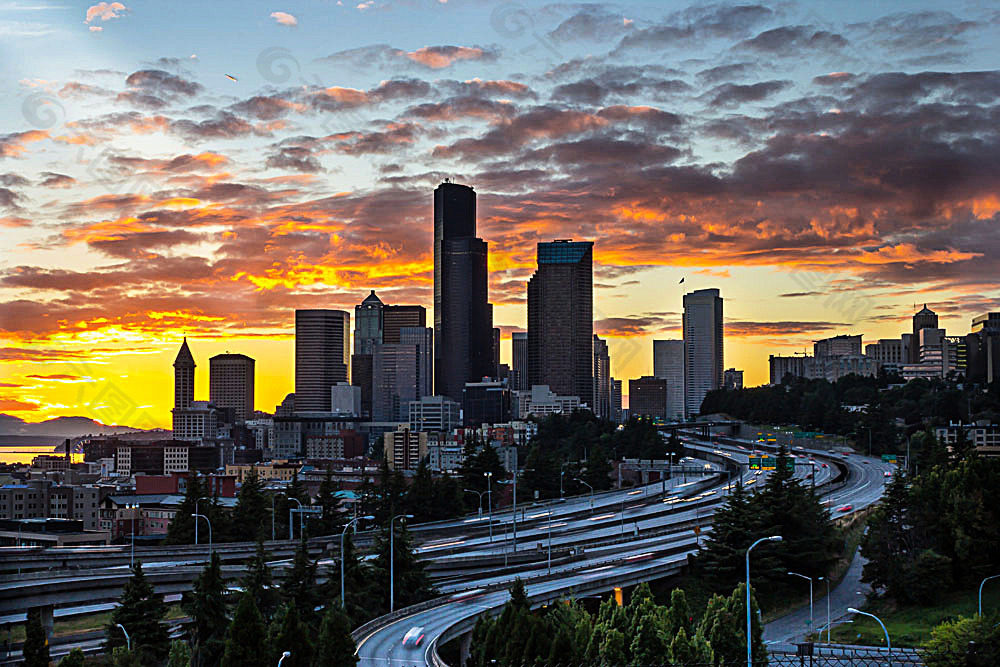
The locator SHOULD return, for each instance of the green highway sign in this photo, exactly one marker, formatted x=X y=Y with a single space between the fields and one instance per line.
x=889 y=458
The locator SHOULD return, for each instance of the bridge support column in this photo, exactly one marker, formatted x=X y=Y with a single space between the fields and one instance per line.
x=466 y=646
x=48 y=619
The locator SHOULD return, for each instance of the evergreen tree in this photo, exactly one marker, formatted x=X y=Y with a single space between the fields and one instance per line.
x=684 y=650
x=258 y=583
x=679 y=616
x=612 y=651
x=299 y=586
x=245 y=640
x=291 y=635
x=412 y=585
x=141 y=613
x=122 y=657
x=421 y=497
x=207 y=607
x=181 y=528
x=75 y=658
x=335 y=647
x=448 y=500
x=647 y=646
x=334 y=517
x=180 y=654
x=252 y=513
x=36 y=645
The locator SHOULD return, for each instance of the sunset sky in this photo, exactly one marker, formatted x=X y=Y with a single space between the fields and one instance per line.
x=204 y=168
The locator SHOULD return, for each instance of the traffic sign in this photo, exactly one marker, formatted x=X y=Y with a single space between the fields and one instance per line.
x=889 y=458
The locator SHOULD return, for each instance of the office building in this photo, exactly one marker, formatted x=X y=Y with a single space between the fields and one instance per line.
x=199 y=421
x=337 y=444
x=495 y=349
x=832 y=369
x=322 y=356
x=462 y=323
x=404 y=448
x=889 y=353
x=732 y=378
x=422 y=339
x=184 y=377
x=925 y=318
x=394 y=373
x=435 y=413
x=560 y=319
x=486 y=402
x=368 y=330
x=230 y=385
x=616 y=400
x=839 y=346
x=540 y=401
x=668 y=363
x=345 y=400
x=703 y=362
x=519 y=360
x=647 y=397
x=396 y=318
x=786 y=366
x=984 y=348
x=602 y=378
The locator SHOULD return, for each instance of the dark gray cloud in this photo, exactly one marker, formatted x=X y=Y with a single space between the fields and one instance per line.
x=731 y=94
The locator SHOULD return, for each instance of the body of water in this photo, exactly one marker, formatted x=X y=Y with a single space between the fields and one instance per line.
x=25 y=453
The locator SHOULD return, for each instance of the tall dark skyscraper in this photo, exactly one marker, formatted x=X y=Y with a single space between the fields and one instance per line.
x=925 y=319
x=368 y=330
x=230 y=384
x=561 y=320
x=322 y=356
x=519 y=360
x=602 y=378
x=398 y=317
x=184 y=377
x=703 y=364
x=462 y=323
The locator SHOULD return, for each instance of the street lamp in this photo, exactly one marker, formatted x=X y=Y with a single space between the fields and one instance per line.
x=489 y=499
x=392 y=561
x=128 y=640
x=196 y=516
x=274 y=496
x=480 y=494
x=291 y=521
x=888 y=645
x=282 y=658
x=772 y=538
x=368 y=517
x=591 y=492
x=196 y=521
x=133 y=507
x=796 y=574
x=983 y=583
x=550 y=541
x=827 y=580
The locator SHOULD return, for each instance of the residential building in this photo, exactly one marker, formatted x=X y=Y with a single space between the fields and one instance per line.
x=647 y=397
x=889 y=353
x=985 y=437
x=703 y=357
x=782 y=366
x=230 y=384
x=732 y=379
x=560 y=319
x=462 y=322
x=616 y=400
x=197 y=422
x=843 y=345
x=668 y=363
x=339 y=444
x=322 y=356
x=404 y=448
x=602 y=378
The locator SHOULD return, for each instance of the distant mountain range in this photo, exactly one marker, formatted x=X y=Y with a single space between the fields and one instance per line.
x=60 y=427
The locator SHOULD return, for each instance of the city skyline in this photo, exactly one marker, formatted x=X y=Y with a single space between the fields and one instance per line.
x=763 y=150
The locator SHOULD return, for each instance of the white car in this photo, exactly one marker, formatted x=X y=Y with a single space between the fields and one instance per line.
x=414 y=636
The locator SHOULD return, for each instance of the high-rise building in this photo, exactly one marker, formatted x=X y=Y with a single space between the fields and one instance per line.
x=925 y=318
x=602 y=378
x=422 y=338
x=394 y=370
x=230 y=384
x=984 y=348
x=184 y=377
x=703 y=363
x=322 y=356
x=519 y=360
x=462 y=323
x=732 y=378
x=368 y=329
x=495 y=349
x=486 y=402
x=561 y=319
x=647 y=397
x=616 y=400
x=404 y=448
x=395 y=318
x=843 y=345
x=668 y=363
x=435 y=413
x=782 y=366
x=889 y=353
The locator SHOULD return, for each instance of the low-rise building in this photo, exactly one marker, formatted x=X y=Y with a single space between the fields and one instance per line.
x=540 y=401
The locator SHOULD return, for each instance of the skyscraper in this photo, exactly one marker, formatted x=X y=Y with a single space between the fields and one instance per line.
x=616 y=400
x=368 y=331
x=668 y=363
x=561 y=319
x=923 y=319
x=602 y=378
x=230 y=385
x=519 y=360
x=462 y=322
x=397 y=317
x=422 y=338
x=703 y=365
x=394 y=369
x=184 y=377
x=322 y=356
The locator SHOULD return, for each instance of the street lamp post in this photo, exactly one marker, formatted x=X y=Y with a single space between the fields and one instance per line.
x=134 y=507
x=128 y=640
x=489 y=499
x=981 y=584
x=480 y=494
x=392 y=561
x=291 y=520
x=772 y=538
x=591 y=492
x=368 y=517
x=282 y=658
x=811 y=619
x=550 y=541
x=196 y=521
x=196 y=515
x=274 y=496
x=888 y=644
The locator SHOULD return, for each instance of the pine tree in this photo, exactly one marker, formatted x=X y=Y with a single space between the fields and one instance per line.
x=245 y=640
x=448 y=500
x=207 y=607
x=612 y=651
x=252 y=512
x=293 y=636
x=76 y=658
x=421 y=496
x=180 y=654
x=334 y=517
x=181 y=528
x=36 y=645
x=412 y=584
x=258 y=583
x=679 y=615
x=299 y=586
x=647 y=646
x=141 y=612
x=335 y=647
